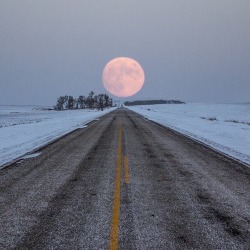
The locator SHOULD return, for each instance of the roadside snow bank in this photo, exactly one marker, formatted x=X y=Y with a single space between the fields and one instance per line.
x=225 y=127
x=24 y=128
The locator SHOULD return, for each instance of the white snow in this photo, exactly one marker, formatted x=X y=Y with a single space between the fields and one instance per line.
x=28 y=156
x=25 y=128
x=225 y=127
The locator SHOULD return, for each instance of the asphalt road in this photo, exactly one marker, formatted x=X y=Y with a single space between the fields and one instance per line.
x=128 y=183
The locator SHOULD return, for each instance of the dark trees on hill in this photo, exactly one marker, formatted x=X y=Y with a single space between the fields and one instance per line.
x=99 y=101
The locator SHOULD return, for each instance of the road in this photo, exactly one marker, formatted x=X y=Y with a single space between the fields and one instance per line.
x=125 y=182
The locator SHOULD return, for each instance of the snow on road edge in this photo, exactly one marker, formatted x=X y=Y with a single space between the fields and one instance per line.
x=226 y=150
x=19 y=141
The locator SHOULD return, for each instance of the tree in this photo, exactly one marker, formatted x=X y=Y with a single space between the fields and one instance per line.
x=110 y=102
x=76 y=103
x=60 y=103
x=100 y=101
x=81 y=101
x=106 y=101
x=66 y=99
x=70 y=103
x=90 y=100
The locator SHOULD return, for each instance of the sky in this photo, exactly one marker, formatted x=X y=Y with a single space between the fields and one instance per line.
x=194 y=51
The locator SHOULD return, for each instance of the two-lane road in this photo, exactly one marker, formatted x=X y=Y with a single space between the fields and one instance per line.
x=128 y=183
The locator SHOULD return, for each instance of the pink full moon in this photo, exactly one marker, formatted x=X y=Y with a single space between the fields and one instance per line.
x=123 y=77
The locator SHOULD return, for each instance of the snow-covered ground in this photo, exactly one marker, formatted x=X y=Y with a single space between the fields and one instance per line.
x=225 y=127
x=25 y=128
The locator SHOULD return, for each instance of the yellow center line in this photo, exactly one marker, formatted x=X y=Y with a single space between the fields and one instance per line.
x=126 y=169
x=114 y=233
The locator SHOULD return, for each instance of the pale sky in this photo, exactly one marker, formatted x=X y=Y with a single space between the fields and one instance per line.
x=195 y=50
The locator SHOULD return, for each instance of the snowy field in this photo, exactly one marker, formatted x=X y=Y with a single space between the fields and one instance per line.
x=225 y=127
x=25 y=128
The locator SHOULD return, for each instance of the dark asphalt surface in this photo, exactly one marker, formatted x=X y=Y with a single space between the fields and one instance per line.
x=180 y=194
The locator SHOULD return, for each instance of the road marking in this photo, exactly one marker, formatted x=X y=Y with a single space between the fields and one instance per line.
x=114 y=232
x=126 y=169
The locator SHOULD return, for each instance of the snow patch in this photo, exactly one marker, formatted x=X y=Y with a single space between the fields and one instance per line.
x=28 y=156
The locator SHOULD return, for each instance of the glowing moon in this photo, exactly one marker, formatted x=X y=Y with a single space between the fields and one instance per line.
x=123 y=77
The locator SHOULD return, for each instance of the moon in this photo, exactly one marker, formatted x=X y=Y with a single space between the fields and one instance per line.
x=123 y=77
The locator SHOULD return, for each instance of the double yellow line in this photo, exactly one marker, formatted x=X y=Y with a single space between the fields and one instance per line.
x=114 y=232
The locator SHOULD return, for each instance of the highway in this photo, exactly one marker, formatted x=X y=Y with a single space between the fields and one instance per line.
x=124 y=182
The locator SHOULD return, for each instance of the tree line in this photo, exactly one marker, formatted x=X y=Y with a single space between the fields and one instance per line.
x=92 y=101
x=151 y=102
